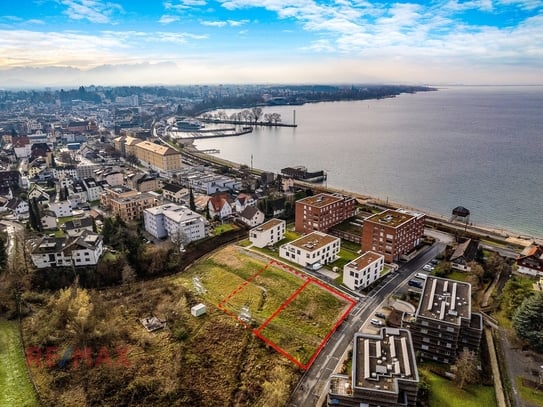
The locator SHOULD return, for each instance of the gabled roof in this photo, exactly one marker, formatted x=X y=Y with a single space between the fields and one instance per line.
x=172 y=188
x=249 y=212
x=218 y=202
x=13 y=203
x=466 y=250
x=532 y=251
x=78 y=223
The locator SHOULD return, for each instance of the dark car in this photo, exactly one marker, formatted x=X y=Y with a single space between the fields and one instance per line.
x=380 y=315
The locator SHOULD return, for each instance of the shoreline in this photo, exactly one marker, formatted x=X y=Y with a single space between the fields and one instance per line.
x=507 y=235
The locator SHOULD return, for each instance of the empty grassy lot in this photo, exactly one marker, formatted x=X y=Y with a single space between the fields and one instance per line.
x=16 y=389
x=234 y=279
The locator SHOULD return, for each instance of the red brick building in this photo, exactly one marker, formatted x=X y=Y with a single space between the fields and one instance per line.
x=393 y=233
x=321 y=212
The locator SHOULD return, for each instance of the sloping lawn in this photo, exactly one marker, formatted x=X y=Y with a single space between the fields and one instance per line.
x=444 y=393
x=16 y=389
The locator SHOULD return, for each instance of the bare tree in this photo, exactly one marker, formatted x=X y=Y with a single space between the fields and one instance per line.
x=257 y=113
x=466 y=368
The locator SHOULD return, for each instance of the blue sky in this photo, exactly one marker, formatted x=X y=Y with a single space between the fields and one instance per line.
x=275 y=41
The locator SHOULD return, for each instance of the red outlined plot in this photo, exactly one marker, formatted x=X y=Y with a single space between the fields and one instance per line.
x=306 y=289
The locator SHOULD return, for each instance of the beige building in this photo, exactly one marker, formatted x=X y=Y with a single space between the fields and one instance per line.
x=126 y=203
x=156 y=156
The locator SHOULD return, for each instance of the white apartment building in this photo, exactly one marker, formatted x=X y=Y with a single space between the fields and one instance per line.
x=363 y=270
x=177 y=222
x=83 y=250
x=268 y=233
x=312 y=250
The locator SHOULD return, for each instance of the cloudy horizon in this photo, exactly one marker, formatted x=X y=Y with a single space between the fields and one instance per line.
x=72 y=42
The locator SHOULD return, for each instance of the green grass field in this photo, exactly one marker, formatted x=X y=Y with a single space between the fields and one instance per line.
x=532 y=396
x=299 y=328
x=445 y=393
x=16 y=389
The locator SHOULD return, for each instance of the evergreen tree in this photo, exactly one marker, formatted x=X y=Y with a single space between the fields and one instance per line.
x=33 y=215
x=37 y=214
x=528 y=321
x=3 y=252
x=66 y=192
x=192 y=204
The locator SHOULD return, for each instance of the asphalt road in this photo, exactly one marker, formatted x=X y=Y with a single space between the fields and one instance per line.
x=313 y=386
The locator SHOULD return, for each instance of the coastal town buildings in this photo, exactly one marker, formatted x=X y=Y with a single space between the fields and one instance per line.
x=82 y=250
x=363 y=271
x=268 y=233
x=384 y=372
x=444 y=324
x=321 y=212
x=312 y=250
x=464 y=253
x=157 y=156
x=175 y=221
x=393 y=233
x=127 y=203
x=530 y=261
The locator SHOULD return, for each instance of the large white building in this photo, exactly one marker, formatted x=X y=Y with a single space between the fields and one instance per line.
x=177 y=222
x=268 y=233
x=83 y=250
x=363 y=270
x=312 y=250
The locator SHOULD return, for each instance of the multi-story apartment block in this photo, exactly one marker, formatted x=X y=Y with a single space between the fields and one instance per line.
x=393 y=233
x=384 y=372
x=83 y=250
x=268 y=233
x=443 y=324
x=364 y=270
x=126 y=203
x=321 y=212
x=157 y=156
x=177 y=222
x=312 y=250
x=94 y=189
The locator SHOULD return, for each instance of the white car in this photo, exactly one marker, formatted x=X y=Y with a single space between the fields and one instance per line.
x=428 y=267
x=376 y=322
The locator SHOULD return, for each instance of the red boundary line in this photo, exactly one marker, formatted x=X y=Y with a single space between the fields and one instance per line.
x=308 y=280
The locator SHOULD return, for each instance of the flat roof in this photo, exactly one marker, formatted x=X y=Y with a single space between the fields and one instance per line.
x=445 y=300
x=379 y=361
x=313 y=241
x=269 y=224
x=365 y=260
x=320 y=200
x=391 y=218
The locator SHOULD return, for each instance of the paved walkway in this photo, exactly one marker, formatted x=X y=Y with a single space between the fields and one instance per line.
x=498 y=387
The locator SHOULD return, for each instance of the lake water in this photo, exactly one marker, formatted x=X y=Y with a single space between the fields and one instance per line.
x=479 y=147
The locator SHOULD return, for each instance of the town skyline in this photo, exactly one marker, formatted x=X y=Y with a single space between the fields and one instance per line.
x=83 y=42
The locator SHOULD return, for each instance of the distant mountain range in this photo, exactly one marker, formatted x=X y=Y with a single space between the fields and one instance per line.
x=108 y=75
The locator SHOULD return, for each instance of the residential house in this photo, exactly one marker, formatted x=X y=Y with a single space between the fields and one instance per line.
x=76 y=226
x=220 y=206
x=126 y=203
x=175 y=193
x=17 y=207
x=530 y=261
x=268 y=233
x=252 y=216
x=178 y=222
x=39 y=193
x=311 y=250
x=363 y=271
x=83 y=250
x=61 y=208
x=244 y=200
x=464 y=254
x=93 y=188
x=49 y=220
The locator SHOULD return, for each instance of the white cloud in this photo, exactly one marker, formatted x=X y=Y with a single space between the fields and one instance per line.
x=167 y=19
x=184 y=4
x=93 y=10
x=231 y=23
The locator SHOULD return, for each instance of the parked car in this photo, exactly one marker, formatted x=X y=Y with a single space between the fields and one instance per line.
x=428 y=267
x=380 y=315
x=376 y=322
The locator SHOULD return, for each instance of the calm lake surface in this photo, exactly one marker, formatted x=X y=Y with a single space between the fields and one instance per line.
x=479 y=147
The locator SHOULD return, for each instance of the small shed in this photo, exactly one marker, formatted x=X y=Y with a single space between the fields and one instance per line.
x=198 y=310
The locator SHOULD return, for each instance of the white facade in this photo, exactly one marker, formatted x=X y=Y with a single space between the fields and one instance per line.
x=363 y=270
x=252 y=216
x=177 y=222
x=94 y=190
x=84 y=250
x=268 y=233
x=61 y=208
x=311 y=250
